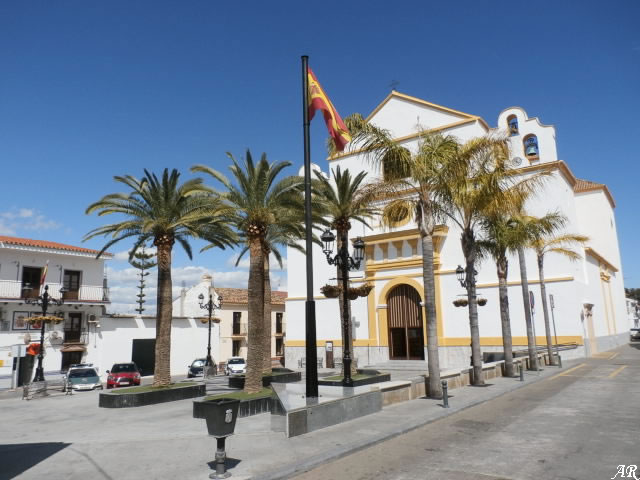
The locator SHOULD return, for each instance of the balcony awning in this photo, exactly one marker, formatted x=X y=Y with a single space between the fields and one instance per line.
x=73 y=348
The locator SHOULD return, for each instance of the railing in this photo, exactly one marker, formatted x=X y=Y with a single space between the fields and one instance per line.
x=73 y=336
x=87 y=293
x=239 y=330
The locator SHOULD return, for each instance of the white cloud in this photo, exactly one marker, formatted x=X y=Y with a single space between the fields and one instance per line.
x=20 y=219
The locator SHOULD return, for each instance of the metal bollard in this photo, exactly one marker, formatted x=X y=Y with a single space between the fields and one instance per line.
x=445 y=394
x=522 y=372
x=559 y=361
x=221 y=457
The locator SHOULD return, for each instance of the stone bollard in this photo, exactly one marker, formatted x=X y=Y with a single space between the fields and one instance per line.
x=522 y=372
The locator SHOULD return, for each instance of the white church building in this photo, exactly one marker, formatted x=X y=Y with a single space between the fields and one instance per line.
x=589 y=300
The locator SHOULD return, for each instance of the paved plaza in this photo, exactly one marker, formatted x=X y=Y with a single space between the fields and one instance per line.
x=574 y=422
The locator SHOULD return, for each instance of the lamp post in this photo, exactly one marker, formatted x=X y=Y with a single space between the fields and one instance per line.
x=210 y=306
x=465 y=279
x=346 y=263
x=43 y=301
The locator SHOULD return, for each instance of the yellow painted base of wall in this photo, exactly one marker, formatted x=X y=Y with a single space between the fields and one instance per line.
x=447 y=342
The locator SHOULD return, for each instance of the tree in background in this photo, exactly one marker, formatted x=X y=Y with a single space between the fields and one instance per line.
x=553 y=241
x=258 y=200
x=166 y=212
x=142 y=261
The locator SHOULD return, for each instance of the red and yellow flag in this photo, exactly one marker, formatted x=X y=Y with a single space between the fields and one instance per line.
x=318 y=100
x=43 y=277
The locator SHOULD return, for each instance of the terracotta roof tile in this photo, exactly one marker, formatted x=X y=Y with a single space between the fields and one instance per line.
x=241 y=296
x=27 y=242
x=582 y=185
x=585 y=185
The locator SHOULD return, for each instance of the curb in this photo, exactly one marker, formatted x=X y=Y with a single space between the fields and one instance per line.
x=335 y=454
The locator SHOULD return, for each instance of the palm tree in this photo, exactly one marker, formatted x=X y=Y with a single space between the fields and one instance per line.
x=417 y=174
x=259 y=200
x=553 y=242
x=286 y=233
x=346 y=201
x=500 y=236
x=166 y=212
x=473 y=185
x=529 y=227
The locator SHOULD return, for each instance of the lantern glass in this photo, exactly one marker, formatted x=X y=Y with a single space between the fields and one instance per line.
x=201 y=297
x=460 y=274
x=328 y=238
x=358 y=249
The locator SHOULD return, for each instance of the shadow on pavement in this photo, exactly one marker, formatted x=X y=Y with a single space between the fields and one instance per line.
x=19 y=457
x=230 y=463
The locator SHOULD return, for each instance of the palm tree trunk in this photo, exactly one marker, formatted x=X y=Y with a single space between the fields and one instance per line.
x=266 y=366
x=428 y=280
x=533 y=358
x=255 y=340
x=545 y=309
x=164 y=315
x=502 y=267
x=341 y=299
x=469 y=250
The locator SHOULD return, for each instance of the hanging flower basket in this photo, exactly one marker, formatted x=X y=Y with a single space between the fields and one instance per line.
x=461 y=302
x=482 y=302
x=352 y=293
x=46 y=319
x=206 y=320
x=364 y=290
x=330 y=291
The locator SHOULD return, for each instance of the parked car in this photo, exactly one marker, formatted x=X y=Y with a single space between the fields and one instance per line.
x=123 y=374
x=83 y=379
x=235 y=365
x=634 y=334
x=196 y=369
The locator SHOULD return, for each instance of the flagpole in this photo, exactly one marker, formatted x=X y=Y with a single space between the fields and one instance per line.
x=310 y=305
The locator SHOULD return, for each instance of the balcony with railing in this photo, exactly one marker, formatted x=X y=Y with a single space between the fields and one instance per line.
x=13 y=290
x=239 y=330
x=280 y=329
x=79 y=337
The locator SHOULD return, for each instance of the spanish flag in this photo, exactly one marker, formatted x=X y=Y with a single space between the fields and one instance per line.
x=318 y=100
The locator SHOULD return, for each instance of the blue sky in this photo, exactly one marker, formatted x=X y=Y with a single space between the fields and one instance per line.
x=89 y=90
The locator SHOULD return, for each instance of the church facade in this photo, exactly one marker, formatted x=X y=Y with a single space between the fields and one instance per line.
x=589 y=307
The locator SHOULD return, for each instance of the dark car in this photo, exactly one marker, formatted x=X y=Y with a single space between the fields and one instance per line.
x=196 y=369
x=123 y=374
x=83 y=379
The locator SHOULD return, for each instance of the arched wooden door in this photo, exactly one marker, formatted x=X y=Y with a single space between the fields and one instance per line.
x=404 y=314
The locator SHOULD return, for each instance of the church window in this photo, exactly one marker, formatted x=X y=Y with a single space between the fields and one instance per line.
x=512 y=121
x=531 y=146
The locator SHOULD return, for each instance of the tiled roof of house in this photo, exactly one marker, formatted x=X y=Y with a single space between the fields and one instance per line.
x=241 y=296
x=27 y=242
x=582 y=185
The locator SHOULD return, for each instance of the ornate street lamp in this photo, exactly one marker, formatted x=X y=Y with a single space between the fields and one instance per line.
x=43 y=301
x=346 y=263
x=210 y=306
x=464 y=279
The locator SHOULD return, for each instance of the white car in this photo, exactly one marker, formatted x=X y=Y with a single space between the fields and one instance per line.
x=634 y=334
x=236 y=365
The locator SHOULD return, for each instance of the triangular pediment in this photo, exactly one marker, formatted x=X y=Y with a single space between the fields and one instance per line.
x=405 y=115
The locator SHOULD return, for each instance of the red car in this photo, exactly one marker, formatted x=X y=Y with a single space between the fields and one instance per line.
x=123 y=374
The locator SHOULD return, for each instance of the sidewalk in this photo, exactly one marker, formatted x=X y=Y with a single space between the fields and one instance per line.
x=78 y=440
x=260 y=451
